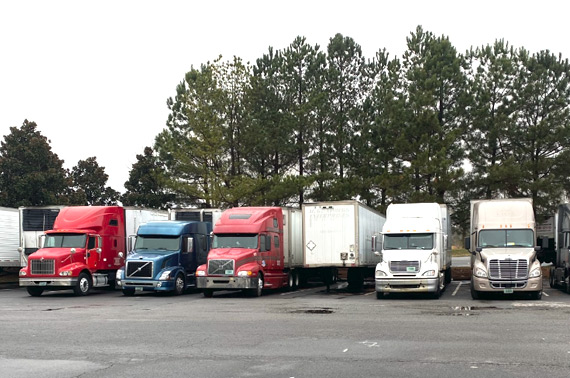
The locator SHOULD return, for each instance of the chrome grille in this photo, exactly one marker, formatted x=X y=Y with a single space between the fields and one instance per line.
x=42 y=266
x=139 y=269
x=508 y=269
x=221 y=267
x=405 y=266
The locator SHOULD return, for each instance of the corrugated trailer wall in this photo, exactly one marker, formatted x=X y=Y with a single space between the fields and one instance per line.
x=9 y=237
x=370 y=223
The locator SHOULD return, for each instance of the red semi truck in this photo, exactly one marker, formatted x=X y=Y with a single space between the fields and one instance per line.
x=85 y=248
x=253 y=248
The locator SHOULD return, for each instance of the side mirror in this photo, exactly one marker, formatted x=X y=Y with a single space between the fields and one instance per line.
x=478 y=249
x=467 y=243
x=72 y=251
x=374 y=245
x=189 y=245
x=98 y=250
x=537 y=248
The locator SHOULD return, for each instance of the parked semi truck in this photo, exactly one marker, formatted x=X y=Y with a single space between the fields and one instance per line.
x=560 y=270
x=34 y=221
x=502 y=244
x=165 y=257
x=339 y=234
x=85 y=248
x=415 y=251
x=545 y=239
x=9 y=238
x=252 y=250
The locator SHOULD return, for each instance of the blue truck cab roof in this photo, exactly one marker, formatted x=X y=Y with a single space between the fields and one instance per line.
x=174 y=228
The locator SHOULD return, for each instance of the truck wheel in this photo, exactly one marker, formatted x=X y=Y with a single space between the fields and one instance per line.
x=259 y=287
x=35 y=291
x=536 y=295
x=379 y=295
x=292 y=280
x=474 y=293
x=128 y=292
x=83 y=285
x=179 y=284
x=551 y=279
x=448 y=276
x=208 y=293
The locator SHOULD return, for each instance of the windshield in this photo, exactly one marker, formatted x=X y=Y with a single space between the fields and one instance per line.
x=506 y=238
x=408 y=241
x=235 y=241
x=157 y=243
x=65 y=241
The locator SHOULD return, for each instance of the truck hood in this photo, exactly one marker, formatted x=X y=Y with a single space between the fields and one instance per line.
x=151 y=255
x=406 y=254
x=502 y=253
x=54 y=253
x=231 y=253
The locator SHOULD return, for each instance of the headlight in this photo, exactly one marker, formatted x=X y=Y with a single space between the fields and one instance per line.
x=165 y=275
x=22 y=273
x=480 y=272
x=380 y=273
x=535 y=273
x=429 y=273
x=119 y=274
x=65 y=273
x=201 y=273
x=245 y=273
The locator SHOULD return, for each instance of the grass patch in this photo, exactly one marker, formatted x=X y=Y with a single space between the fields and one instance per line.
x=460 y=252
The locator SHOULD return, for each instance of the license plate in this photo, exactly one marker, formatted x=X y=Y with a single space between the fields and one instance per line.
x=138 y=288
x=411 y=269
x=42 y=283
x=229 y=271
x=508 y=291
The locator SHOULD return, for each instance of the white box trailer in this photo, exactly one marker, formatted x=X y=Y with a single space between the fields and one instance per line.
x=33 y=222
x=339 y=234
x=135 y=216
x=9 y=238
x=416 y=250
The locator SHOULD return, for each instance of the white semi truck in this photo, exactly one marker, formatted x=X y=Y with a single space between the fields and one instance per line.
x=339 y=234
x=503 y=248
x=416 y=250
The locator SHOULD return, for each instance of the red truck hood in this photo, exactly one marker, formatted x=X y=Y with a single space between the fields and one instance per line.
x=231 y=253
x=54 y=253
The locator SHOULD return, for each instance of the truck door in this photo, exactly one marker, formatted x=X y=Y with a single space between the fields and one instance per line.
x=92 y=252
x=187 y=259
x=202 y=249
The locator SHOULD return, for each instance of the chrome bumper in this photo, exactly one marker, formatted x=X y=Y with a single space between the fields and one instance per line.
x=406 y=285
x=498 y=286
x=226 y=283
x=48 y=282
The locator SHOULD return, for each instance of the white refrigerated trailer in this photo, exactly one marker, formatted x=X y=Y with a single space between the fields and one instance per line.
x=9 y=238
x=339 y=234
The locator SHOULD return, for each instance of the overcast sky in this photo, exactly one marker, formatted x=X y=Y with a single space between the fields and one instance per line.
x=95 y=75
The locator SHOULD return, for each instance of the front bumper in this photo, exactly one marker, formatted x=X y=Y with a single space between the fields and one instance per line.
x=226 y=283
x=406 y=285
x=48 y=282
x=499 y=286
x=147 y=285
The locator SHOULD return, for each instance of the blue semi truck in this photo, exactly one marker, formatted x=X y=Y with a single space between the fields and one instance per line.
x=165 y=257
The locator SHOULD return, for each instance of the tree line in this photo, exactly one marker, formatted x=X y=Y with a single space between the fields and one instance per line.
x=306 y=124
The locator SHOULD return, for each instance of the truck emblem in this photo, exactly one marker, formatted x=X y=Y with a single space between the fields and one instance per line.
x=311 y=245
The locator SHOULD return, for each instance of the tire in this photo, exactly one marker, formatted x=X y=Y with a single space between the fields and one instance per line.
x=437 y=293
x=567 y=285
x=128 y=292
x=179 y=284
x=379 y=295
x=551 y=279
x=474 y=293
x=297 y=280
x=208 y=293
x=355 y=279
x=83 y=285
x=536 y=295
x=292 y=280
x=258 y=290
x=35 y=291
x=448 y=276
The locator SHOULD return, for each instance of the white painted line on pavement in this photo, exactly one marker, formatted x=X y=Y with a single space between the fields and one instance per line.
x=457 y=288
x=543 y=293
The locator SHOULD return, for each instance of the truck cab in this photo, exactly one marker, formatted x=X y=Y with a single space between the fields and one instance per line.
x=502 y=245
x=165 y=257
x=247 y=252
x=415 y=250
